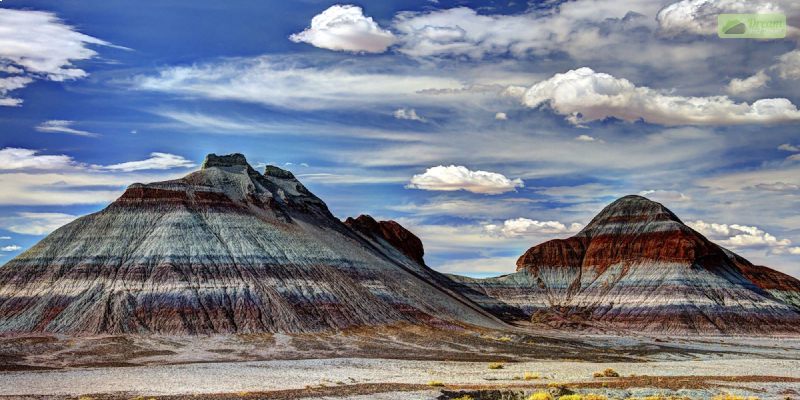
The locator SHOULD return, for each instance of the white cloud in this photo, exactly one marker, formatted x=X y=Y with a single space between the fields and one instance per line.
x=63 y=126
x=789 y=147
x=788 y=65
x=585 y=138
x=479 y=266
x=749 y=84
x=30 y=223
x=737 y=236
x=28 y=178
x=12 y=158
x=665 y=196
x=452 y=178
x=5 y=237
x=409 y=114
x=777 y=187
x=12 y=247
x=501 y=116
x=584 y=95
x=345 y=28
x=157 y=161
x=297 y=84
x=566 y=27
x=38 y=45
x=699 y=17
x=525 y=227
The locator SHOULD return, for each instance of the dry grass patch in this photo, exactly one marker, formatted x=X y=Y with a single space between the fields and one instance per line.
x=528 y=376
x=435 y=384
x=541 y=396
x=496 y=365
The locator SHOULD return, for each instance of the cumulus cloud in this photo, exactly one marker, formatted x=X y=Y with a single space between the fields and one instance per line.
x=31 y=223
x=737 y=236
x=157 y=161
x=10 y=248
x=699 y=17
x=525 y=227
x=452 y=178
x=501 y=116
x=789 y=147
x=788 y=65
x=409 y=114
x=749 y=84
x=585 y=138
x=345 y=28
x=584 y=95
x=63 y=126
x=38 y=45
x=665 y=196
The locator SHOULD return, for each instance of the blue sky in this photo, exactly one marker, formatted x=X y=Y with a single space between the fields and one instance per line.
x=484 y=127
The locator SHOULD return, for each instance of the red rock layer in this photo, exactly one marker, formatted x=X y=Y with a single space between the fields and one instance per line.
x=392 y=232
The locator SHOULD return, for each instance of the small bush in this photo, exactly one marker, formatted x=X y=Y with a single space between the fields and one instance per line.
x=464 y=397
x=435 y=383
x=496 y=365
x=595 y=396
x=607 y=373
x=531 y=376
x=571 y=397
x=504 y=339
x=541 y=396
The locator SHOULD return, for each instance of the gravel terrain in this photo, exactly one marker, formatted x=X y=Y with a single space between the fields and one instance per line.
x=265 y=376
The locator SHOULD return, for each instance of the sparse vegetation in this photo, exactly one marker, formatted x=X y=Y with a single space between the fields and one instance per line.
x=541 y=396
x=464 y=397
x=531 y=376
x=504 y=339
x=496 y=365
x=607 y=373
x=435 y=384
x=728 y=396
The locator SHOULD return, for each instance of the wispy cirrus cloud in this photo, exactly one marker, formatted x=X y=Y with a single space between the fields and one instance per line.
x=63 y=126
x=37 y=45
x=31 y=178
x=156 y=161
x=35 y=223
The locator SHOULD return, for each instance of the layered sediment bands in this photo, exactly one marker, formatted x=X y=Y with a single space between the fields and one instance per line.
x=636 y=266
x=224 y=249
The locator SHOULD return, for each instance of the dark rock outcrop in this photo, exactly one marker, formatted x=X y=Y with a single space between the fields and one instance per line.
x=392 y=232
x=224 y=249
x=636 y=266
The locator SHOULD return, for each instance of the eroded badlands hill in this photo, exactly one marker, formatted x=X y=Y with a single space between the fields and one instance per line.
x=224 y=249
x=637 y=267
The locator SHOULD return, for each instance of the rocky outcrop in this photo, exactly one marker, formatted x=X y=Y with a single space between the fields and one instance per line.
x=391 y=232
x=223 y=250
x=636 y=266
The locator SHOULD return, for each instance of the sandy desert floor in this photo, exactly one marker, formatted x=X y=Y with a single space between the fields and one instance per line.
x=397 y=363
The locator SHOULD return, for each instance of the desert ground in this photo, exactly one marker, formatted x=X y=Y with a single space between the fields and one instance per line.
x=405 y=362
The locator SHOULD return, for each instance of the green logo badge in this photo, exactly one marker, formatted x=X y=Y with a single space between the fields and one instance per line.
x=751 y=26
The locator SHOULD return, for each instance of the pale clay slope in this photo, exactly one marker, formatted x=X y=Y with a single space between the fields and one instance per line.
x=274 y=259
